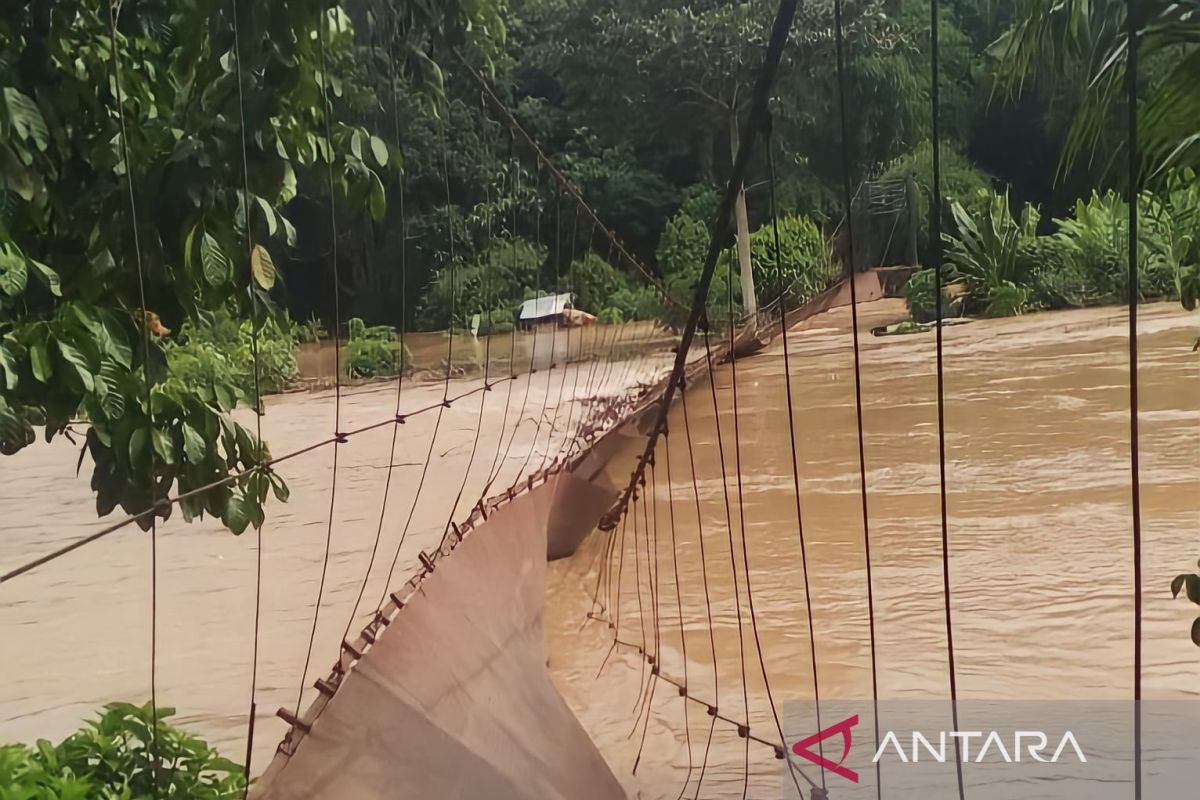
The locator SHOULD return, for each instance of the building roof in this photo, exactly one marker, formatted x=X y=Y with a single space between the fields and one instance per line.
x=545 y=306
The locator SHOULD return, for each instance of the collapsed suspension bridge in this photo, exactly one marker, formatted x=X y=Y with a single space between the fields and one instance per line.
x=444 y=691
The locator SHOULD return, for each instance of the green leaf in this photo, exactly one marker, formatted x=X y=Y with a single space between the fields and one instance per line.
x=72 y=355
x=13 y=272
x=237 y=515
x=47 y=276
x=379 y=150
x=113 y=400
x=113 y=339
x=280 y=488
x=189 y=248
x=226 y=397
x=15 y=430
x=39 y=360
x=356 y=144
x=194 y=447
x=289 y=231
x=262 y=267
x=163 y=445
x=26 y=118
x=287 y=191
x=8 y=365
x=1193 y=588
x=137 y=445
x=378 y=198
x=218 y=270
x=268 y=214
x=16 y=176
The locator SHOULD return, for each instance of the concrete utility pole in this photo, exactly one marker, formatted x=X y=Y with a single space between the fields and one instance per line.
x=742 y=218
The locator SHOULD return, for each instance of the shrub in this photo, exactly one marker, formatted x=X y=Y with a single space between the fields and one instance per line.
x=220 y=350
x=593 y=282
x=1055 y=280
x=497 y=321
x=681 y=253
x=1095 y=242
x=920 y=296
x=610 y=316
x=961 y=181
x=372 y=352
x=637 y=303
x=309 y=332
x=499 y=276
x=807 y=260
x=113 y=758
x=987 y=254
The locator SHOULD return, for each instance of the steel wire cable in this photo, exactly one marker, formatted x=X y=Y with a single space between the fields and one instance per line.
x=327 y=114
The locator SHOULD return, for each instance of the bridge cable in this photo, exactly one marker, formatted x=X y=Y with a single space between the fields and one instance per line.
x=258 y=405
x=591 y=388
x=566 y=365
x=652 y=583
x=113 y=11
x=935 y=227
x=1135 y=179
x=533 y=358
x=712 y=639
x=487 y=366
x=637 y=582
x=327 y=114
x=737 y=454
x=497 y=461
x=657 y=666
x=852 y=274
x=546 y=408
x=446 y=402
x=574 y=398
x=787 y=375
x=687 y=727
x=387 y=483
x=737 y=595
x=231 y=478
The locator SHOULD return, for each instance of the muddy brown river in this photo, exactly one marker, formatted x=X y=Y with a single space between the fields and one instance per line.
x=1037 y=436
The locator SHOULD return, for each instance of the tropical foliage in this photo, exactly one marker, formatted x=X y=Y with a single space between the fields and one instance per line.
x=149 y=160
x=128 y=752
x=1090 y=39
x=1008 y=265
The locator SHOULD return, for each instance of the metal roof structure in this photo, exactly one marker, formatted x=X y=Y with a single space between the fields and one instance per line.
x=545 y=306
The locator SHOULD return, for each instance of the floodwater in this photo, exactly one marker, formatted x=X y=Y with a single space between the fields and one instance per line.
x=76 y=632
x=1039 y=512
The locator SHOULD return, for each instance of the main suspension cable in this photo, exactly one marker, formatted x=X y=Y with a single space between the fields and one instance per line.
x=327 y=114
x=258 y=409
x=935 y=229
x=852 y=275
x=113 y=11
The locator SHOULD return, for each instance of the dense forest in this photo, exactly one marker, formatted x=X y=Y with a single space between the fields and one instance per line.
x=191 y=188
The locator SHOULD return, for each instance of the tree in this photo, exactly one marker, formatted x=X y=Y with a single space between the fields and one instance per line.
x=112 y=195
x=683 y=73
x=1090 y=38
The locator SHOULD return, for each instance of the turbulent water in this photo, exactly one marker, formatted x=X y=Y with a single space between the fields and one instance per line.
x=1037 y=436
x=1038 y=474
x=76 y=632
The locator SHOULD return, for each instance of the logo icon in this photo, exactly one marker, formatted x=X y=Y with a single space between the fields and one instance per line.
x=803 y=749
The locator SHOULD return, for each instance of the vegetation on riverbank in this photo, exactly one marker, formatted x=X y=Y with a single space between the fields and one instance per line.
x=128 y=752
x=1005 y=264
